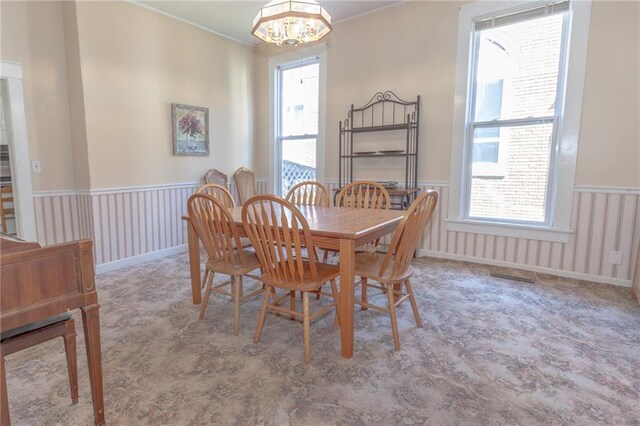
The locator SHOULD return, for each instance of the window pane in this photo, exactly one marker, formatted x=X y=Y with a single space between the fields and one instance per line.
x=517 y=70
x=298 y=162
x=520 y=192
x=300 y=100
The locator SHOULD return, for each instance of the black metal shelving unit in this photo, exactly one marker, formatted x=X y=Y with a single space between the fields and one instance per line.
x=384 y=112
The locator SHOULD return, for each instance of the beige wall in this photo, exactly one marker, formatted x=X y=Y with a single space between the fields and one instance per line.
x=32 y=35
x=609 y=150
x=411 y=49
x=135 y=63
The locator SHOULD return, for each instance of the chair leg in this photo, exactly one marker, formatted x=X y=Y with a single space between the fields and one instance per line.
x=292 y=299
x=414 y=305
x=306 y=326
x=274 y=295
x=318 y=294
x=205 y=299
x=334 y=291
x=364 y=294
x=237 y=295
x=263 y=314
x=72 y=358
x=325 y=256
x=206 y=275
x=394 y=319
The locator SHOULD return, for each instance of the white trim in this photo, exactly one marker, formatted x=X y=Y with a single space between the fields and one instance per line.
x=10 y=70
x=59 y=193
x=193 y=24
x=141 y=258
x=143 y=188
x=531 y=232
x=550 y=271
x=319 y=50
x=569 y=123
x=624 y=190
x=19 y=150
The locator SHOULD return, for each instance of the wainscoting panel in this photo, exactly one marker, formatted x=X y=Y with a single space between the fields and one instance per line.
x=122 y=222
x=603 y=220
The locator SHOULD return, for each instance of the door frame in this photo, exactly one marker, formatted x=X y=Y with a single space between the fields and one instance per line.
x=16 y=122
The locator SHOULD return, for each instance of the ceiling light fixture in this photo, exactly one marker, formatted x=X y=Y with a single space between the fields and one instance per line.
x=291 y=22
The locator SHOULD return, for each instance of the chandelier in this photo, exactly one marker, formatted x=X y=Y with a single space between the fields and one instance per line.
x=291 y=22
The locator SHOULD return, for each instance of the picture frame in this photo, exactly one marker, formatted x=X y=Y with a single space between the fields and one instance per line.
x=190 y=130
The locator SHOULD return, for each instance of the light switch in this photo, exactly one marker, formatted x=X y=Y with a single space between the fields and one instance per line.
x=616 y=257
x=36 y=167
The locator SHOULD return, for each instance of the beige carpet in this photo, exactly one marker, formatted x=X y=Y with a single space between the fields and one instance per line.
x=492 y=352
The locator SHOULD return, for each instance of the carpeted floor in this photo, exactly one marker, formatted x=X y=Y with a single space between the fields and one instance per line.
x=492 y=351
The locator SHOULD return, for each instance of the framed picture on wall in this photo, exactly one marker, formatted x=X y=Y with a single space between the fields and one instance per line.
x=190 y=130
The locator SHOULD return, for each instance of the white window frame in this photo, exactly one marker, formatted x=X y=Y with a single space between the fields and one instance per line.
x=299 y=55
x=564 y=156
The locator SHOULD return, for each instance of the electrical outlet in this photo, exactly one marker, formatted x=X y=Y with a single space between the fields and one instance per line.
x=616 y=257
x=36 y=167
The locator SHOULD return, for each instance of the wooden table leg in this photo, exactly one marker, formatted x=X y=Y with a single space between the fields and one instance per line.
x=347 y=270
x=4 y=403
x=194 y=264
x=91 y=325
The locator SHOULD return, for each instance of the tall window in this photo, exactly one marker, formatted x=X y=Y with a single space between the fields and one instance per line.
x=298 y=105
x=519 y=77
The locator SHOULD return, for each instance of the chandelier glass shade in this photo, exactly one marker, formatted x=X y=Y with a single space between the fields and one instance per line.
x=291 y=22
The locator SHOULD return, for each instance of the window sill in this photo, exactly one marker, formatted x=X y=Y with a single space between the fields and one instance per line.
x=532 y=232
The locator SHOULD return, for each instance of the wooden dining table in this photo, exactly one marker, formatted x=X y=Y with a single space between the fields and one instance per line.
x=339 y=229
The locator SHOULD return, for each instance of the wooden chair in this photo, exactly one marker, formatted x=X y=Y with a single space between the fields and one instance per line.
x=6 y=213
x=215 y=227
x=364 y=195
x=217 y=177
x=309 y=193
x=29 y=335
x=282 y=267
x=392 y=270
x=245 y=181
x=219 y=192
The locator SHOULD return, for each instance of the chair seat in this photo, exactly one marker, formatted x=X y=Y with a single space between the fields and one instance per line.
x=235 y=267
x=368 y=266
x=326 y=272
x=35 y=326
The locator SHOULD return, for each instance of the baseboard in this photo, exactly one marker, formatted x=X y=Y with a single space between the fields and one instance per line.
x=550 y=271
x=141 y=258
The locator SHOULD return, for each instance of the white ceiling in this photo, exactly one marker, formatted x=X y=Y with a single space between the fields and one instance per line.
x=233 y=18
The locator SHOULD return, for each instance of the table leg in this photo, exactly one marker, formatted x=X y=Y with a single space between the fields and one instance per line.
x=91 y=325
x=194 y=263
x=4 y=403
x=347 y=270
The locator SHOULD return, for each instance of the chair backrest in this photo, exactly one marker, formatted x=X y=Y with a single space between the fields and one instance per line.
x=218 y=192
x=216 y=229
x=364 y=195
x=309 y=193
x=6 y=212
x=217 y=177
x=408 y=233
x=245 y=183
x=278 y=233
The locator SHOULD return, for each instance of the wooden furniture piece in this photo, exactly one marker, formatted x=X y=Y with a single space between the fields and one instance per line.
x=392 y=270
x=215 y=227
x=217 y=177
x=37 y=283
x=29 y=335
x=219 y=192
x=309 y=193
x=332 y=228
x=279 y=233
x=363 y=195
x=245 y=183
x=7 y=211
x=385 y=112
